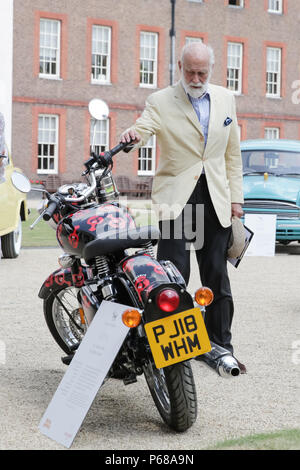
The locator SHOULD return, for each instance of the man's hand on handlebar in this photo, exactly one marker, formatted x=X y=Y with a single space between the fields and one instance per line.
x=130 y=136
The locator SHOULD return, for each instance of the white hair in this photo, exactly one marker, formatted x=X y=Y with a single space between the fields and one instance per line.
x=197 y=46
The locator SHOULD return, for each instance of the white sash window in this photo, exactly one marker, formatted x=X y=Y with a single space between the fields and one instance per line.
x=234 y=66
x=48 y=143
x=148 y=59
x=49 y=48
x=273 y=72
x=101 y=54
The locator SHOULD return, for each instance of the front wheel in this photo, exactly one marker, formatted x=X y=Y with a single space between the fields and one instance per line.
x=11 y=243
x=174 y=393
x=63 y=318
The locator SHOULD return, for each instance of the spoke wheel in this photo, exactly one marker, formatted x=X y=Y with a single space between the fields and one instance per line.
x=64 y=329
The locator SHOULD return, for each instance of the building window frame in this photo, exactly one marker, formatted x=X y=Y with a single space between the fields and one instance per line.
x=272 y=4
x=162 y=34
x=50 y=48
x=190 y=39
x=63 y=52
x=114 y=32
x=147 y=158
x=235 y=79
x=184 y=34
x=151 y=58
x=271 y=133
x=103 y=55
x=61 y=149
x=238 y=4
x=244 y=78
x=273 y=78
x=48 y=147
x=272 y=125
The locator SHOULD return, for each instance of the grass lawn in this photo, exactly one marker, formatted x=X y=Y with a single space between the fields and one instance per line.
x=281 y=440
x=41 y=235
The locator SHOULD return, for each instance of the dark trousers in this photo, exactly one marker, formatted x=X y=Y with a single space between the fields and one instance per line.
x=211 y=258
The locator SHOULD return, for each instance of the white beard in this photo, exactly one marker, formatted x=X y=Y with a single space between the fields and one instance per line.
x=195 y=91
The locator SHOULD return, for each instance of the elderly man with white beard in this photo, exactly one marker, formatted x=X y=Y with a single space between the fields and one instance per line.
x=199 y=166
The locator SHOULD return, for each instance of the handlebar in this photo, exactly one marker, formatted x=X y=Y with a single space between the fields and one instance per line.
x=125 y=146
x=104 y=161
x=106 y=158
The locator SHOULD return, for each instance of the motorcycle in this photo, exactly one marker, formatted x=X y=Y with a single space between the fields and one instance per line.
x=107 y=257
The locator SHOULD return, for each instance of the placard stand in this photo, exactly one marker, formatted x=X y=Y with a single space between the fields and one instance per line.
x=85 y=374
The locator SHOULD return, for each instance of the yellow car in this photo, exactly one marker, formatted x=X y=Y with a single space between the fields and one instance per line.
x=13 y=207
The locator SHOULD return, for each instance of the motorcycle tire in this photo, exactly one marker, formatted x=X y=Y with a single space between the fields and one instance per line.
x=174 y=393
x=61 y=326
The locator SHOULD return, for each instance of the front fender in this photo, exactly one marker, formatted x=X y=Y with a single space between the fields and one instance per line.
x=62 y=278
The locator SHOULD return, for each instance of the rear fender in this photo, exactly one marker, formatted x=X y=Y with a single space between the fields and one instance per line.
x=149 y=276
x=62 y=278
x=144 y=273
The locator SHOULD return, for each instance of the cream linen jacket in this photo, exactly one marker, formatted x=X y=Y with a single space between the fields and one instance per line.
x=171 y=117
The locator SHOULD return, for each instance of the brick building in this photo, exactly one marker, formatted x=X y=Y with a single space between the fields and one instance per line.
x=67 y=52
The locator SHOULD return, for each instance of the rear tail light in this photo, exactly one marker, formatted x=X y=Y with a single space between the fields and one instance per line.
x=168 y=300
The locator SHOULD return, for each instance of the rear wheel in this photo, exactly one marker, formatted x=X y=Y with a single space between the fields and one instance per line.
x=174 y=393
x=11 y=243
x=66 y=328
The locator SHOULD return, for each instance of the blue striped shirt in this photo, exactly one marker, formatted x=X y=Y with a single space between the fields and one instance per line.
x=202 y=108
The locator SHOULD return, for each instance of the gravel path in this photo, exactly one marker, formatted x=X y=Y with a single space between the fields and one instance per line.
x=265 y=331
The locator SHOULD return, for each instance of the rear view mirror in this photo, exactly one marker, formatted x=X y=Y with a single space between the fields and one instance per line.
x=98 y=109
x=21 y=182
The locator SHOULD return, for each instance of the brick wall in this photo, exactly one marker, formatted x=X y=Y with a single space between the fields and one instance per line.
x=213 y=20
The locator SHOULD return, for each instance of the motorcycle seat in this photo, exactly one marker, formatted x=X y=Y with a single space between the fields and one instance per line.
x=111 y=241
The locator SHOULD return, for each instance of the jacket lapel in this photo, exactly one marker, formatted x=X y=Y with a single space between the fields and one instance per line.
x=186 y=106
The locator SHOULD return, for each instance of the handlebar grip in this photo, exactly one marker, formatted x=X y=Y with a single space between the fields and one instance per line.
x=50 y=210
x=105 y=159
x=128 y=148
x=121 y=146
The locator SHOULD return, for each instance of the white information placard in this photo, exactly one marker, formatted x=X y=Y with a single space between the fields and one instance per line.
x=85 y=374
x=264 y=228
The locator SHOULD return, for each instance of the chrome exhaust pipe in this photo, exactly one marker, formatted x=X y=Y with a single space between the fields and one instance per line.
x=222 y=361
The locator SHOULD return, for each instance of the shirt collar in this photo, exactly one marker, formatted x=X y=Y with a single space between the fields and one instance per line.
x=206 y=95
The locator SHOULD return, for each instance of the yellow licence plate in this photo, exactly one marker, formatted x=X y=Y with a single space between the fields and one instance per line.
x=178 y=337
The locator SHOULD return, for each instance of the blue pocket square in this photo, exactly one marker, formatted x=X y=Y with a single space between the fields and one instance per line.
x=227 y=121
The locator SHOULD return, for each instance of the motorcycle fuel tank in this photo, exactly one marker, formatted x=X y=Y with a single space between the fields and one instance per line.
x=76 y=230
